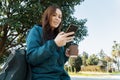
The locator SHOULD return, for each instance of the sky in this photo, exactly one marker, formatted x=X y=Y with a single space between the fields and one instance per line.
x=103 y=24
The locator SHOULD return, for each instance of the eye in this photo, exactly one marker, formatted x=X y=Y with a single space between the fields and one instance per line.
x=60 y=17
x=54 y=15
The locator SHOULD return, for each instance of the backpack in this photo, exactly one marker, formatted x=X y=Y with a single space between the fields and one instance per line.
x=16 y=67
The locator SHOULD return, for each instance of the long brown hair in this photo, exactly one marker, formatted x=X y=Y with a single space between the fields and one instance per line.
x=47 y=31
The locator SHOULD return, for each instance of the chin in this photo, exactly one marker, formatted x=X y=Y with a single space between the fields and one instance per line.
x=55 y=26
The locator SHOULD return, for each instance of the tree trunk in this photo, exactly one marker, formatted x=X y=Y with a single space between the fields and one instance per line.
x=118 y=64
x=2 y=47
x=3 y=40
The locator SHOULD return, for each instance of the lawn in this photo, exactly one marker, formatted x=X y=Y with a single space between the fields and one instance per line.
x=91 y=73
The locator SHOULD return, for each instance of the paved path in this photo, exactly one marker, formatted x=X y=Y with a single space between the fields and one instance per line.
x=113 y=77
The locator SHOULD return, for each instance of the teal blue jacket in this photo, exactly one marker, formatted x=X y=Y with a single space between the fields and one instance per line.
x=47 y=60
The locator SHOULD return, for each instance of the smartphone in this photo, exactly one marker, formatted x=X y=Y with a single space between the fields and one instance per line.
x=72 y=28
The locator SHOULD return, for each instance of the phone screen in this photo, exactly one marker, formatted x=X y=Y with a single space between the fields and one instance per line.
x=72 y=28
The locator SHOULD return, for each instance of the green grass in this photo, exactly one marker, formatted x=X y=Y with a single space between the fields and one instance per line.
x=79 y=74
x=90 y=74
x=116 y=73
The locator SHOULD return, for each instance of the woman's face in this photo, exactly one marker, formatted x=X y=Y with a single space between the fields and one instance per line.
x=55 y=19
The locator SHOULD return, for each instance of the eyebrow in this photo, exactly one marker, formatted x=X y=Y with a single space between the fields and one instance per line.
x=59 y=13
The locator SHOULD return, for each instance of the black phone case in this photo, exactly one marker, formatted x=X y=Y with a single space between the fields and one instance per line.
x=72 y=28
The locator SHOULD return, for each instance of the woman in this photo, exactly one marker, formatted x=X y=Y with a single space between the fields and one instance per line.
x=45 y=47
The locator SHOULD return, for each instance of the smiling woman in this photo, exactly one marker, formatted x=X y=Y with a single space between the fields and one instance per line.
x=55 y=19
x=45 y=47
x=51 y=21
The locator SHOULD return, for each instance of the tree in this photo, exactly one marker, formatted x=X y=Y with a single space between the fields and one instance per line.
x=78 y=63
x=116 y=52
x=101 y=54
x=102 y=57
x=72 y=63
x=109 y=61
x=17 y=16
x=92 y=60
x=75 y=63
x=84 y=58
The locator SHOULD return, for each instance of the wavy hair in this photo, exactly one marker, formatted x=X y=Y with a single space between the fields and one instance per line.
x=47 y=30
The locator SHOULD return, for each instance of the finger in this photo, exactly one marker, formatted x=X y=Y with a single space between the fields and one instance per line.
x=67 y=49
x=61 y=33
x=69 y=40
x=68 y=34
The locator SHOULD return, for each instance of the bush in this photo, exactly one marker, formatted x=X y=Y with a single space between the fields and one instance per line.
x=93 y=68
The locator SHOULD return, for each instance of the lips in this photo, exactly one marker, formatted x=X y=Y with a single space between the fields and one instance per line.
x=56 y=23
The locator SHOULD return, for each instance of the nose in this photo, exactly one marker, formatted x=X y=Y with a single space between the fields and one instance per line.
x=57 y=17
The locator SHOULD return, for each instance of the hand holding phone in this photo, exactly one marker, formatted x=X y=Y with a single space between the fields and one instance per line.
x=72 y=28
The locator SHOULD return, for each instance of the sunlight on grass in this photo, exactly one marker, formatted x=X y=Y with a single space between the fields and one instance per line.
x=91 y=73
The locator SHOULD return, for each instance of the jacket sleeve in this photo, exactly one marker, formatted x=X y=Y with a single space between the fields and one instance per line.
x=65 y=57
x=36 y=51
